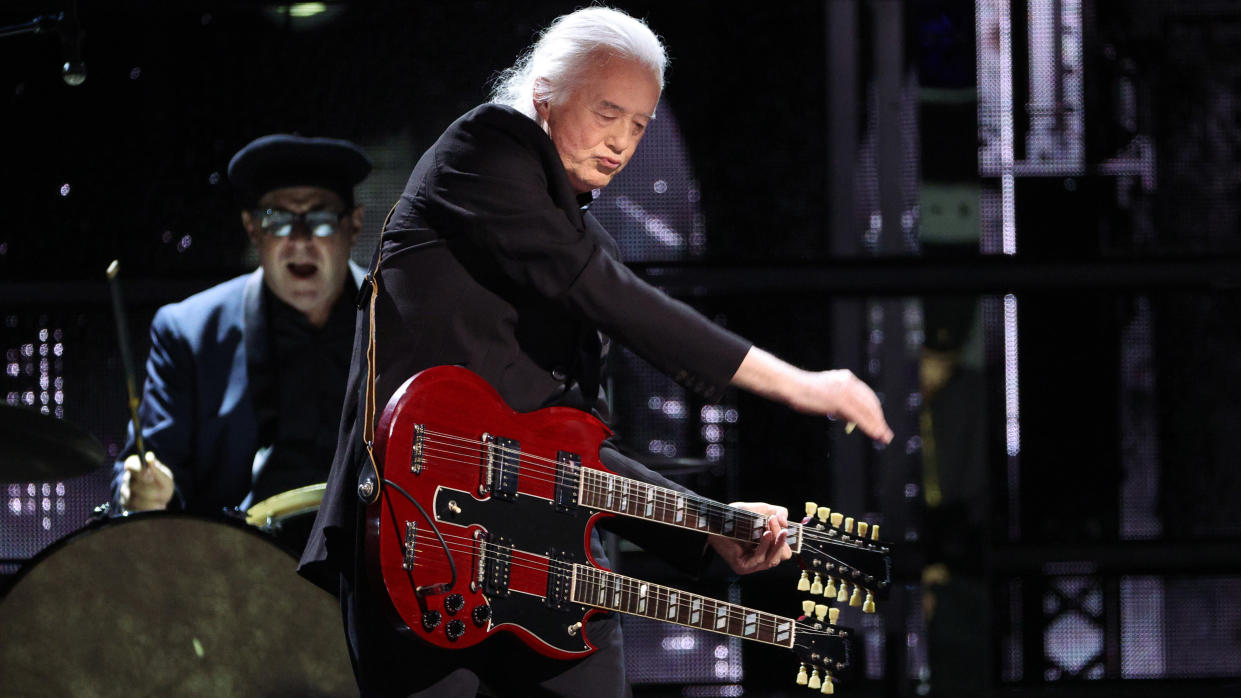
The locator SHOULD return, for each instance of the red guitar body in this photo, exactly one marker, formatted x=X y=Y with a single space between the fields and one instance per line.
x=488 y=549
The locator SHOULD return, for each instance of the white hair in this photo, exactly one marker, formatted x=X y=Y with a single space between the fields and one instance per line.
x=567 y=48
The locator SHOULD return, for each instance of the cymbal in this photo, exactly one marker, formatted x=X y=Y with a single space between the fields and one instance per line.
x=35 y=447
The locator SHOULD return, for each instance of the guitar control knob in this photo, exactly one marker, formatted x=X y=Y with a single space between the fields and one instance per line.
x=481 y=615
x=431 y=620
x=455 y=629
x=454 y=603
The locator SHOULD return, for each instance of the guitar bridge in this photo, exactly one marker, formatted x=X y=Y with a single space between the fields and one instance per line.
x=415 y=455
x=411 y=539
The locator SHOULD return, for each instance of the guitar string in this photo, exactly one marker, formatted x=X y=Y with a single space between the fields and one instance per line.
x=734 y=613
x=711 y=507
x=551 y=465
x=661 y=506
x=664 y=502
x=466 y=545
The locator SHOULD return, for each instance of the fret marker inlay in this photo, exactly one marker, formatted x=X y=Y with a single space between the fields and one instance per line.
x=783 y=630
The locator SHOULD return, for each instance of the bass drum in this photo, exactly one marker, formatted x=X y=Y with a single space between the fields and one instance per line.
x=165 y=603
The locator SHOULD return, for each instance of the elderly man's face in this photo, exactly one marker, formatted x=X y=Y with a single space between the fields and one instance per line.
x=598 y=126
x=303 y=268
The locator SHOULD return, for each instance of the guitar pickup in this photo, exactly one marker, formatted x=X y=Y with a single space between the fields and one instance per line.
x=501 y=464
x=568 y=473
x=559 y=580
x=497 y=559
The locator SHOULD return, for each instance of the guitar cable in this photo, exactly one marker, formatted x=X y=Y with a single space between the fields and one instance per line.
x=452 y=565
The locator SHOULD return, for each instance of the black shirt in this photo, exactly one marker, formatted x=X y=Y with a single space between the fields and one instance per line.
x=298 y=392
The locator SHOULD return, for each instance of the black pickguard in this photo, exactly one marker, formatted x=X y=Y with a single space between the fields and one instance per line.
x=536 y=526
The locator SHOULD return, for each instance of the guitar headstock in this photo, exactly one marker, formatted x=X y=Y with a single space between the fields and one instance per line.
x=842 y=561
x=822 y=646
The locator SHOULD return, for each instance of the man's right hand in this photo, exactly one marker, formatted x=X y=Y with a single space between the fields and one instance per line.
x=145 y=485
x=837 y=394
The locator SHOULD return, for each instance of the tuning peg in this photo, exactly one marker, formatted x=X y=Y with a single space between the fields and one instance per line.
x=823 y=513
x=830 y=589
x=874 y=532
x=815 y=682
x=869 y=605
x=833 y=615
x=817 y=587
x=861 y=528
x=828 y=688
x=848 y=524
x=843 y=595
x=855 y=599
x=811 y=507
x=807 y=607
x=803 y=582
x=802 y=677
x=837 y=517
x=820 y=611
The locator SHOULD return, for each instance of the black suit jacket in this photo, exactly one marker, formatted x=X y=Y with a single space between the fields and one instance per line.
x=489 y=261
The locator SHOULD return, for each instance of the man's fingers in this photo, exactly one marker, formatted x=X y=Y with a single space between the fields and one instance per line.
x=778 y=549
x=872 y=424
x=867 y=413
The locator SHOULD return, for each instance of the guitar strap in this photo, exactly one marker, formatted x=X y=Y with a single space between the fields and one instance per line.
x=368 y=477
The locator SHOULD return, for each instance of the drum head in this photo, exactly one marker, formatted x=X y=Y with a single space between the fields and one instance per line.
x=170 y=604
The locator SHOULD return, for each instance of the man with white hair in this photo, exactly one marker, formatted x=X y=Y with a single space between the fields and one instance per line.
x=490 y=260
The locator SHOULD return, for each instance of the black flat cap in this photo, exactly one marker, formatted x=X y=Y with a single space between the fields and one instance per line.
x=282 y=160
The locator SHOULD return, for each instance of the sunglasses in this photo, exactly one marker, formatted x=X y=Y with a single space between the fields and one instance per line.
x=279 y=223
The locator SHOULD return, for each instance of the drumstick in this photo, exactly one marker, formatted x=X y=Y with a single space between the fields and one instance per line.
x=122 y=336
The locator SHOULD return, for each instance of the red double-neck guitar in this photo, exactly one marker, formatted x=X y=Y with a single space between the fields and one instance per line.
x=483 y=523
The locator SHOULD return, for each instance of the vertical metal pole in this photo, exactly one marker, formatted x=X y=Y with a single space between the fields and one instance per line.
x=847 y=488
x=895 y=466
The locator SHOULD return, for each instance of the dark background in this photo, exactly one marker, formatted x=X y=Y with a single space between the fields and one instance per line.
x=802 y=122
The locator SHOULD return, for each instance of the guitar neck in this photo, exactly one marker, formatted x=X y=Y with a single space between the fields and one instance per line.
x=624 y=496
x=592 y=586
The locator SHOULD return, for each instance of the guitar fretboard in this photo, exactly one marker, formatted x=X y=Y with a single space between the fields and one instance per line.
x=621 y=495
x=600 y=588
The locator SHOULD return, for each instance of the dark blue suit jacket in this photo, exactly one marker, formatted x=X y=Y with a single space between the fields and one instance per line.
x=197 y=412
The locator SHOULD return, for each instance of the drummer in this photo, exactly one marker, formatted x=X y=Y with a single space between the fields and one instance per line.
x=245 y=380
